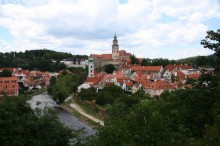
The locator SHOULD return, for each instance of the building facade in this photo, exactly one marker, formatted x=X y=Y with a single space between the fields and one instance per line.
x=9 y=86
x=116 y=57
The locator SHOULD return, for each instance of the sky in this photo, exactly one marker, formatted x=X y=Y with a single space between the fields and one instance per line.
x=170 y=29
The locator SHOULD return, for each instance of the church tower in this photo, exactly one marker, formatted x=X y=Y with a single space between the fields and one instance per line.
x=90 y=67
x=115 y=48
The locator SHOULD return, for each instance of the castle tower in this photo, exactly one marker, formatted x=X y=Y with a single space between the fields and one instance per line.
x=90 y=67
x=115 y=48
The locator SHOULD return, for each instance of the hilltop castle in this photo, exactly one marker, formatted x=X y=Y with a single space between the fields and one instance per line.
x=117 y=56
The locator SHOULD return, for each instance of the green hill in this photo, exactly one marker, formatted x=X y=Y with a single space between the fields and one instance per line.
x=42 y=59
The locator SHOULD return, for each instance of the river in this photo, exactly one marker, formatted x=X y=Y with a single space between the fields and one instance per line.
x=44 y=100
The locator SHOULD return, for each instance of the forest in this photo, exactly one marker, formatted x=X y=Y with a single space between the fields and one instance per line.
x=42 y=59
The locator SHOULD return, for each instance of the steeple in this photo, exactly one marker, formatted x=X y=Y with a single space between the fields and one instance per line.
x=115 y=48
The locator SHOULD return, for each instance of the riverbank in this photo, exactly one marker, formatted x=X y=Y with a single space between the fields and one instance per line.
x=66 y=117
x=81 y=115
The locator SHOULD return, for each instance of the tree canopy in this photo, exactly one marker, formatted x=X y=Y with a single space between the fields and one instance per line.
x=5 y=73
x=21 y=126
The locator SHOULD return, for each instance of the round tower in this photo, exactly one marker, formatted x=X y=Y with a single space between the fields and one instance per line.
x=90 y=67
x=115 y=48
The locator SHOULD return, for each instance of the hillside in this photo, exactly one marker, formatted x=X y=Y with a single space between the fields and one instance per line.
x=37 y=59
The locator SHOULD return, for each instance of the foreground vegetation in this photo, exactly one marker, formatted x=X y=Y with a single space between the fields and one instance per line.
x=22 y=126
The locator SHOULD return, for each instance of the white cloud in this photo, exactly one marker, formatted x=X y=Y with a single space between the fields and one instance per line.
x=84 y=27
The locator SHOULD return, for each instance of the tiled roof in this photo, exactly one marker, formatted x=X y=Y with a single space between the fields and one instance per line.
x=181 y=75
x=102 y=56
x=93 y=80
x=171 y=67
x=129 y=84
x=194 y=76
x=9 y=69
x=159 y=85
x=145 y=68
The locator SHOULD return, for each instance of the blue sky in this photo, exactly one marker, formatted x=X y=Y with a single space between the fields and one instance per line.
x=146 y=28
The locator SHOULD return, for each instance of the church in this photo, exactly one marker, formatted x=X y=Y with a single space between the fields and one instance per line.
x=117 y=57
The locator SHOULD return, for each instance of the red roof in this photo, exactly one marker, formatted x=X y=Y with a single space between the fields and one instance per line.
x=159 y=85
x=9 y=69
x=129 y=84
x=194 y=76
x=171 y=67
x=93 y=80
x=145 y=68
x=102 y=56
x=181 y=75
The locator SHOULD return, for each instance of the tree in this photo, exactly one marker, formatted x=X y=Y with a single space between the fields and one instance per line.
x=146 y=62
x=212 y=41
x=5 y=73
x=109 y=68
x=53 y=80
x=21 y=126
x=134 y=60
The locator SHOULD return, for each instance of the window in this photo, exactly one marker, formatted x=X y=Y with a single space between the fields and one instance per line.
x=91 y=71
x=91 y=66
x=90 y=74
x=6 y=86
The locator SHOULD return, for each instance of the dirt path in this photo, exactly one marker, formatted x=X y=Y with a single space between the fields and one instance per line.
x=81 y=111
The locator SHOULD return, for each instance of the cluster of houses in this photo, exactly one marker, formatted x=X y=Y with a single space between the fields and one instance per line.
x=152 y=80
x=23 y=79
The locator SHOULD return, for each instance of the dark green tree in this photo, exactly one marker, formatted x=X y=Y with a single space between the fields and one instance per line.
x=109 y=68
x=146 y=62
x=21 y=126
x=134 y=59
x=53 y=80
x=5 y=73
x=212 y=41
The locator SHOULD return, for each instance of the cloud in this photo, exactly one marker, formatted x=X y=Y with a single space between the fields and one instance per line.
x=144 y=27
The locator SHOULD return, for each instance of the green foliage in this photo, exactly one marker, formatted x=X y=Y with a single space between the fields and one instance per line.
x=134 y=60
x=184 y=117
x=5 y=73
x=66 y=84
x=53 y=80
x=88 y=94
x=37 y=59
x=212 y=41
x=146 y=62
x=20 y=126
x=109 y=68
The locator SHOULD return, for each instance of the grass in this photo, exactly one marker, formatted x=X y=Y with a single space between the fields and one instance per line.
x=84 y=119
x=88 y=110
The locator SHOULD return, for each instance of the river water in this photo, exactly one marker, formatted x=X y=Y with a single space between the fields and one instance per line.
x=44 y=100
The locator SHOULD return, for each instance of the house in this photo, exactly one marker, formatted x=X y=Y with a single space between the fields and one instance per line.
x=136 y=87
x=157 y=87
x=9 y=86
x=127 y=86
x=154 y=70
x=83 y=86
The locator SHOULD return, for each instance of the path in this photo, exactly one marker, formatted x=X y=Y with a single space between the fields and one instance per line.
x=81 y=111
